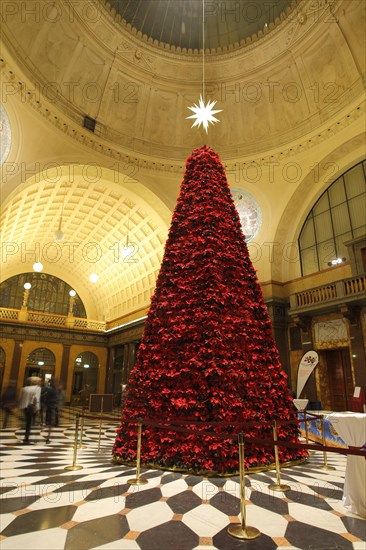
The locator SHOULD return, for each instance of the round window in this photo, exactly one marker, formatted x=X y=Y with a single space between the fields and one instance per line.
x=249 y=212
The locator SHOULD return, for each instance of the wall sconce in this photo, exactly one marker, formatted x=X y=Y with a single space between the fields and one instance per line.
x=337 y=261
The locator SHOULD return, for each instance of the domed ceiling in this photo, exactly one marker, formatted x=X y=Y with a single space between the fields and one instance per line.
x=179 y=22
x=272 y=90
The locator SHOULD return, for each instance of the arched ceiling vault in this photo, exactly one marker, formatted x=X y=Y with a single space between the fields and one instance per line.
x=108 y=230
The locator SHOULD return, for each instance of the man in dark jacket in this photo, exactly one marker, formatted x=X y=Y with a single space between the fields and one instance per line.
x=51 y=402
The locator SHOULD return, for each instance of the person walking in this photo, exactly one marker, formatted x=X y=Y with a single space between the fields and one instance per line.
x=52 y=403
x=8 y=401
x=29 y=404
x=42 y=412
x=60 y=403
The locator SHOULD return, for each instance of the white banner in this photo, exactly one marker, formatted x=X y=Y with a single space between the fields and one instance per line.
x=307 y=364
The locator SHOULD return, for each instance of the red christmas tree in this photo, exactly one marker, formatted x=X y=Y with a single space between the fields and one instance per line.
x=207 y=353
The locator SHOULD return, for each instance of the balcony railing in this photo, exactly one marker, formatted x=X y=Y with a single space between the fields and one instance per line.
x=39 y=318
x=9 y=314
x=342 y=291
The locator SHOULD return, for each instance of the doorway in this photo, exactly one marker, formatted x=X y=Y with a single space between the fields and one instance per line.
x=40 y=362
x=85 y=378
x=340 y=380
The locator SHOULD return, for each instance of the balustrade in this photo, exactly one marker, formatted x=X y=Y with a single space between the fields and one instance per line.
x=50 y=319
x=331 y=292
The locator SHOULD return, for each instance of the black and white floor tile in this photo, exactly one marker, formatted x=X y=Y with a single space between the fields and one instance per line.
x=47 y=507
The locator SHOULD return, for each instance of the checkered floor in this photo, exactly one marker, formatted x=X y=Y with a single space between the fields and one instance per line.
x=47 y=507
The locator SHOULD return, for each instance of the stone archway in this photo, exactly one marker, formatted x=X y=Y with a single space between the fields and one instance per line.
x=40 y=362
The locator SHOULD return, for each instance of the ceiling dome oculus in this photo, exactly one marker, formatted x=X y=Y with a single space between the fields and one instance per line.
x=179 y=22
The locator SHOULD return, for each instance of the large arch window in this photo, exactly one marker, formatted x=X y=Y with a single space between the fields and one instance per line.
x=338 y=216
x=48 y=294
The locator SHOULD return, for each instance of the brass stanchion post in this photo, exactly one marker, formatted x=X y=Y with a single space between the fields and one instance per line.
x=277 y=486
x=81 y=432
x=74 y=466
x=325 y=464
x=100 y=424
x=310 y=452
x=138 y=480
x=242 y=531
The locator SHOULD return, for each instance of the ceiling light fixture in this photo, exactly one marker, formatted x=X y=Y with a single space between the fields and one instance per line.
x=59 y=234
x=37 y=267
x=204 y=113
x=129 y=248
x=93 y=278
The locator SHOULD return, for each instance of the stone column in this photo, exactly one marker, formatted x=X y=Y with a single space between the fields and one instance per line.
x=14 y=370
x=65 y=364
x=353 y=314
x=109 y=371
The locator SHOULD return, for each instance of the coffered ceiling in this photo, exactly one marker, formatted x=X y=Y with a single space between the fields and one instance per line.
x=107 y=231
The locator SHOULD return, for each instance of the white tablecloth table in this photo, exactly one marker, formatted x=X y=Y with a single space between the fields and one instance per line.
x=351 y=427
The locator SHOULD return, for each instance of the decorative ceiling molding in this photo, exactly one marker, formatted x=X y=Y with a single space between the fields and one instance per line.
x=132 y=132
x=116 y=19
x=97 y=144
x=75 y=131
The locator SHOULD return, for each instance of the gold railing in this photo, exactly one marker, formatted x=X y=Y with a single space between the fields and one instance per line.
x=9 y=314
x=37 y=317
x=46 y=318
x=88 y=324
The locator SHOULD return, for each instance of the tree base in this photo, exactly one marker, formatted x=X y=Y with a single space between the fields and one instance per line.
x=210 y=473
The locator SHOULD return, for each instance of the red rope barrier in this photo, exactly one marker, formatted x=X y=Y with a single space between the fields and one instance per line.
x=177 y=426
x=244 y=423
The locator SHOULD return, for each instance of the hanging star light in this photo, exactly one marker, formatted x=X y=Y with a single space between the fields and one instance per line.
x=204 y=114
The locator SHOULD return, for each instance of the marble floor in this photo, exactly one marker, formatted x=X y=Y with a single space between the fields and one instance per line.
x=46 y=507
